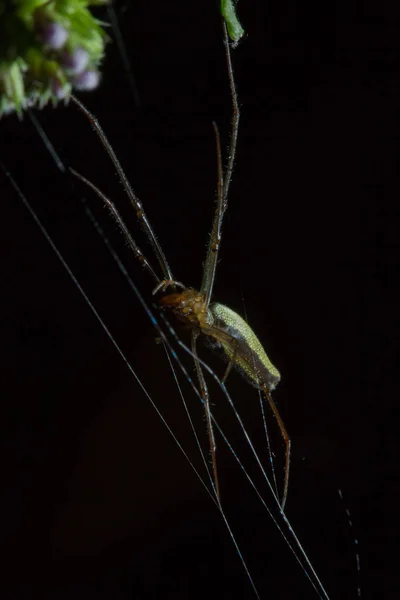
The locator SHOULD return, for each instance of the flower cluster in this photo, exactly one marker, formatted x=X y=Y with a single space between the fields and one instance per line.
x=47 y=49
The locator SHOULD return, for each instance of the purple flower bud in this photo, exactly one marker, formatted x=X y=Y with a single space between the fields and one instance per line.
x=7 y=110
x=30 y=102
x=53 y=35
x=86 y=81
x=59 y=90
x=76 y=62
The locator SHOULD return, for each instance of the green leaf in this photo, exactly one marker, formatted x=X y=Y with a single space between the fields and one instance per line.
x=235 y=30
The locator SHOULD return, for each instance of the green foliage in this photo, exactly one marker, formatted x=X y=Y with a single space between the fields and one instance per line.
x=235 y=30
x=40 y=43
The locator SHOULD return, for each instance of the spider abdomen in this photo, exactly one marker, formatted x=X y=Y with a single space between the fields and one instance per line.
x=242 y=346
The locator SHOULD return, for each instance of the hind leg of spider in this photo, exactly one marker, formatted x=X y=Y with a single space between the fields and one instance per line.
x=286 y=439
x=206 y=400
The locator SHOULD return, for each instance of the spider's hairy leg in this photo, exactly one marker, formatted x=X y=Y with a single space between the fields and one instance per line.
x=206 y=400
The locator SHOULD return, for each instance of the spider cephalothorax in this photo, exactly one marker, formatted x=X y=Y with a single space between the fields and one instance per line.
x=189 y=307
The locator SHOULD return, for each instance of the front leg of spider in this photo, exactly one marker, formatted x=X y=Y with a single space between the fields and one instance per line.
x=164 y=284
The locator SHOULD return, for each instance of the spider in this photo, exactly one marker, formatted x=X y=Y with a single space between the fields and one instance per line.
x=218 y=323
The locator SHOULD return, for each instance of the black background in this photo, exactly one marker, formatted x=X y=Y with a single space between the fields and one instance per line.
x=99 y=500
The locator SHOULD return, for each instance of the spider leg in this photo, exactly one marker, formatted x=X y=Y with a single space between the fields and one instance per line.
x=231 y=361
x=120 y=222
x=134 y=200
x=225 y=339
x=206 y=399
x=286 y=439
x=166 y=283
x=223 y=182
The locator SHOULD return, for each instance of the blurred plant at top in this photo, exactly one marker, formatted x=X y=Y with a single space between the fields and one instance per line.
x=228 y=11
x=47 y=49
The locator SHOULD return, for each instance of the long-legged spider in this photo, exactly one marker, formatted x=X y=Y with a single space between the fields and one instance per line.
x=218 y=323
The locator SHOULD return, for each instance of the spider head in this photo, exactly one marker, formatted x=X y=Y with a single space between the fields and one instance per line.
x=187 y=306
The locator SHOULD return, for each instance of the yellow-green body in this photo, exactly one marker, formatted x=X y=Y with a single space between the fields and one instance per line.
x=245 y=349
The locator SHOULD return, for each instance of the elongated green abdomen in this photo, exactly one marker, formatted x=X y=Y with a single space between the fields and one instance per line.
x=245 y=349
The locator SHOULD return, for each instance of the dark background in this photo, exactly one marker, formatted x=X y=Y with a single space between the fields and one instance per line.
x=99 y=501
